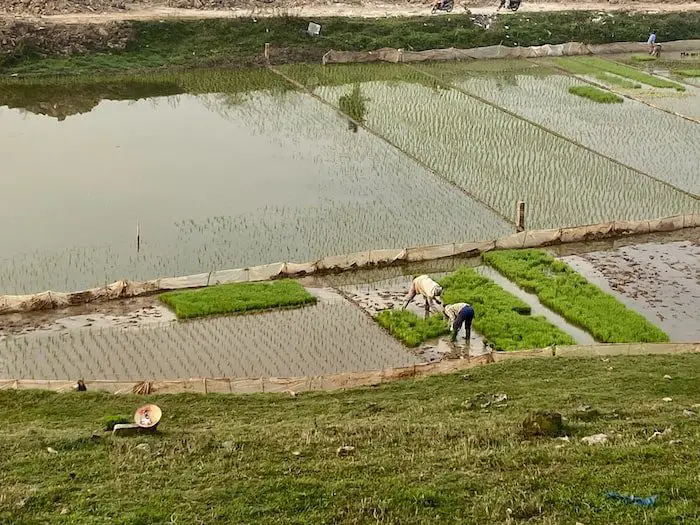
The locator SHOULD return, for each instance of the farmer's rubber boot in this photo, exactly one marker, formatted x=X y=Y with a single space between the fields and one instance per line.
x=453 y=337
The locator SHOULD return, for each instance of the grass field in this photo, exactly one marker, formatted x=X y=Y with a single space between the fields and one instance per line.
x=500 y=317
x=237 y=298
x=240 y=42
x=410 y=329
x=420 y=456
x=568 y=293
x=595 y=94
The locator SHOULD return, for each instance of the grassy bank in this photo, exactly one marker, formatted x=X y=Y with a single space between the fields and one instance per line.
x=237 y=298
x=240 y=42
x=500 y=317
x=595 y=94
x=420 y=456
x=569 y=294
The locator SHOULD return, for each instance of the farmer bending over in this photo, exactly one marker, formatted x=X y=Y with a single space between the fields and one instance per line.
x=460 y=314
x=429 y=289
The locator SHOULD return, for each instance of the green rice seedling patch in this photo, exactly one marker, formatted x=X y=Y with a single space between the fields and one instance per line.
x=237 y=298
x=410 y=329
x=503 y=319
x=595 y=94
x=573 y=66
x=563 y=290
x=642 y=58
x=629 y=72
x=617 y=81
x=691 y=73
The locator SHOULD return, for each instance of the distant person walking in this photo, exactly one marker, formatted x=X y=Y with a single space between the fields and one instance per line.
x=429 y=289
x=460 y=314
x=651 y=42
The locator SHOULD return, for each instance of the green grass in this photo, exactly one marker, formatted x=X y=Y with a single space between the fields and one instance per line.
x=628 y=72
x=420 y=456
x=240 y=42
x=410 y=329
x=237 y=298
x=617 y=81
x=568 y=293
x=595 y=94
x=503 y=319
x=687 y=72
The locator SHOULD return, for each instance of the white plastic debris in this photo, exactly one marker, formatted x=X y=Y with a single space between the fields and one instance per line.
x=595 y=439
x=313 y=29
x=667 y=399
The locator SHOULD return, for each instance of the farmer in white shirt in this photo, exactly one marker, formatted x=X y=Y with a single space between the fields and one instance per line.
x=460 y=314
x=651 y=42
x=429 y=289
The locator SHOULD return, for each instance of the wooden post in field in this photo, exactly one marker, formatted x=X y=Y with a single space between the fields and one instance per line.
x=267 y=51
x=138 y=237
x=520 y=216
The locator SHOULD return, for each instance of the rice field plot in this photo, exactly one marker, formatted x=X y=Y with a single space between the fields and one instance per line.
x=331 y=337
x=621 y=131
x=660 y=91
x=215 y=181
x=497 y=157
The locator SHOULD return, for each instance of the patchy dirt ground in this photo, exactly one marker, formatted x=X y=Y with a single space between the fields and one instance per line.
x=96 y=11
x=128 y=313
x=660 y=281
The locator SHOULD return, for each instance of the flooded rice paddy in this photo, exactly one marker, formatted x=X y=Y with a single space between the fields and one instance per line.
x=331 y=337
x=223 y=170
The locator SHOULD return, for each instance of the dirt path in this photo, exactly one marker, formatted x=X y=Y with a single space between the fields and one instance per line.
x=365 y=10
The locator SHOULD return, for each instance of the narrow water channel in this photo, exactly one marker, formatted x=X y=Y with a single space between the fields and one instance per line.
x=580 y=336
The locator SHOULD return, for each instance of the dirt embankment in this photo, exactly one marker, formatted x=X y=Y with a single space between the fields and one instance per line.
x=17 y=36
x=148 y=9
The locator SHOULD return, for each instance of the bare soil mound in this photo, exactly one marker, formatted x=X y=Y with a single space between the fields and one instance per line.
x=58 y=39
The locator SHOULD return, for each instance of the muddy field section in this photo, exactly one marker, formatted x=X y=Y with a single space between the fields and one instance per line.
x=660 y=281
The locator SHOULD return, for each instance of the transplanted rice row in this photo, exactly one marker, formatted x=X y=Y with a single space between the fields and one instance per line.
x=569 y=294
x=457 y=136
x=503 y=319
x=618 y=131
x=322 y=339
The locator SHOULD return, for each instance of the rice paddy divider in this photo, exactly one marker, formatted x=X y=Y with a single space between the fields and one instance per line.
x=550 y=131
x=627 y=96
x=305 y=89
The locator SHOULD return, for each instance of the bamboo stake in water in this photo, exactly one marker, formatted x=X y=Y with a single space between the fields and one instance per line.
x=520 y=216
x=138 y=237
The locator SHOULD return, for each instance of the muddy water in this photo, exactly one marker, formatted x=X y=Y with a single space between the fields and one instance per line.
x=660 y=281
x=331 y=337
x=214 y=182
